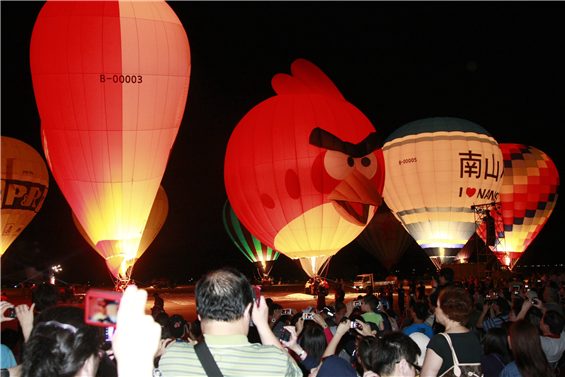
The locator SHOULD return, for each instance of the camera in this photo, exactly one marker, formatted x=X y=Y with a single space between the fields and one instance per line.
x=101 y=308
x=357 y=303
x=535 y=301
x=308 y=316
x=286 y=312
x=355 y=325
x=12 y=312
x=285 y=335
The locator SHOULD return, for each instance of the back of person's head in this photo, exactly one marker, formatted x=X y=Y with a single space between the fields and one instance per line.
x=274 y=306
x=364 y=350
x=456 y=304
x=447 y=273
x=45 y=296
x=10 y=337
x=496 y=341
x=550 y=295
x=390 y=350
x=314 y=341
x=554 y=321
x=60 y=343
x=338 y=306
x=162 y=319
x=526 y=349
x=332 y=366
x=223 y=295
x=503 y=305
x=420 y=310
x=372 y=302
x=177 y=325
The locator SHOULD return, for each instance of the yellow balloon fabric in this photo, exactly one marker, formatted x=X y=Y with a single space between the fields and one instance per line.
x=25 y=182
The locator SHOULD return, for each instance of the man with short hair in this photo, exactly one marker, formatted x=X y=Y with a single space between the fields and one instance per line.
x=370 y=309
x=225 y=307
x=419 y=314
x=499 y=311
x=395 y=355
x=551 y=300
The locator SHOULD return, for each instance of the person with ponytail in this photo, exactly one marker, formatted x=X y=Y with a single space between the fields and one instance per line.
x=62 y=345
x=529 y=358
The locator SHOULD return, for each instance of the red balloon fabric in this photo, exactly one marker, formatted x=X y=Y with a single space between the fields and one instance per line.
x=111 y=81
x=528 y=196
x=303 y=171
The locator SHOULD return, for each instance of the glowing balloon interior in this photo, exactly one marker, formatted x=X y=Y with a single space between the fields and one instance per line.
x=261 y=255
x=528 y=195
x=121 y=265
x=436 y=169
x=303 y=171
x=314 y=266
x=25 y=181
x=111 y=81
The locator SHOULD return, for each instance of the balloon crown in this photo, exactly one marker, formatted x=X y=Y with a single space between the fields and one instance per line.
x=306 y=79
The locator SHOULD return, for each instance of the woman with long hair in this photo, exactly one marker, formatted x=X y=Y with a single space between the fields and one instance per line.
x=313 y=341
x=496 y=352
x=529 y=358
x=61 y=344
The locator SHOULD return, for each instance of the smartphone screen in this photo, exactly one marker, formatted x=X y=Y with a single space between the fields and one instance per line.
x=257 y=294
x=101 y=307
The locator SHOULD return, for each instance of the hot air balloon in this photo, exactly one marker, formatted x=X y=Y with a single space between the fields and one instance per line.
x=25 y=181
x=529 y=191
x=121 y=265
x=436 y=169
x=262 y=256
x=302 y=169
x=111 y=81
x=385 y=238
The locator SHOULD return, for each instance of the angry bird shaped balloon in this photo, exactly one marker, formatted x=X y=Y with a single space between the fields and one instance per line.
x=303 y=169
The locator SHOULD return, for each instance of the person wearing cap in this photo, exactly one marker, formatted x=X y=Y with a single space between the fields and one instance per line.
x=178 y=327
x=499 y=311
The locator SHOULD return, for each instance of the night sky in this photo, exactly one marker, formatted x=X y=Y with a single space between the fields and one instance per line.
x=497 y=64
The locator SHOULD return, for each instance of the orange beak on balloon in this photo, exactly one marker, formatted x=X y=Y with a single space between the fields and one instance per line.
x=355 y=194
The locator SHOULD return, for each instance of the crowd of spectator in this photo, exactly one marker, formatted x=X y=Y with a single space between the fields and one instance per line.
x=473 y=326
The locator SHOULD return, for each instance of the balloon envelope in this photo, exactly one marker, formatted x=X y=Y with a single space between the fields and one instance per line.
x=111 y=81
x=302 y=170
x=256 y=251
x=436 y=169
x=25 y=181
x=385 y=238
x=528 y=195
x=122 y=264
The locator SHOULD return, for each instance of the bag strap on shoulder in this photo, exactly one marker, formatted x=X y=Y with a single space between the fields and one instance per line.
x=456 y=369
x=207 y=360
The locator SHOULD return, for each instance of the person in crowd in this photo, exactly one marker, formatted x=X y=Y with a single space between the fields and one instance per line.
x=158 y=305
x=313 y=340
x=61 y=344
x=395 y=355
x=179 y=328
x=445 y=280
x=529 y=358
x=551 y=326
x=369 y=307
x=551 y=300
x=225 y=306
x=364 y=350
x=419 y=314
x=496 y=352
x=454 y=306
x=499 y=311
